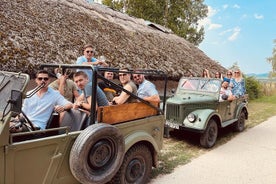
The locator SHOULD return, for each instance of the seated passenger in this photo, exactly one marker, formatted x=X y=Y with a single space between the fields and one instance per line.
x=127 y=85
x=109 y=90
x=225 y=92
x=146 y=89
x=39 y=107
x=65 y=86
x=84 y=100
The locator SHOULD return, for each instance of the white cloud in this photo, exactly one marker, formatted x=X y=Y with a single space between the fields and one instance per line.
x=258 y=16
x=207 y=22
x=244 y=16
x=232 y=33
x=236 y=6
x=225 y=6
x=214 y=26
x=225 y=32
x=235 y=33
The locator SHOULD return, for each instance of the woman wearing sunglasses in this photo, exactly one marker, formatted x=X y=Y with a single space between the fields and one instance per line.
x=237 y=83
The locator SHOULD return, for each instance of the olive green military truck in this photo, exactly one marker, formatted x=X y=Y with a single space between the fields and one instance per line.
x=116 y=144
x=195 y=107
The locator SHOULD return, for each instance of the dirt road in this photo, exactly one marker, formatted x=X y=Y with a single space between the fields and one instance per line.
x=249 y=158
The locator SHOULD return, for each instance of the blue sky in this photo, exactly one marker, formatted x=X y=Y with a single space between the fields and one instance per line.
x=240 y=31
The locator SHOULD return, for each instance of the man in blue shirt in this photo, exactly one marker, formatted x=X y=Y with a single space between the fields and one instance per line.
x=146 y=90
x=39 y=107
x=88 y=59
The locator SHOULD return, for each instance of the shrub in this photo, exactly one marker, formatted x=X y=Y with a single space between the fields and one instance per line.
x=253 y=88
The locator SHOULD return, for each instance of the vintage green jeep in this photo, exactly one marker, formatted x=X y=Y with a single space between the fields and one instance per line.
x=120 y=144
x=195 y=107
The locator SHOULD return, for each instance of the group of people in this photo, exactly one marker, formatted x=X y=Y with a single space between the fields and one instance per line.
x=65 y=93
x=233 y=84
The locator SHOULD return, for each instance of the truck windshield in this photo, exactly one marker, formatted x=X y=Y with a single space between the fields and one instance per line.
x=199 y=84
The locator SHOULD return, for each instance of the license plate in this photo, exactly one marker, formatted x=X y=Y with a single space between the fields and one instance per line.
x=172 y=124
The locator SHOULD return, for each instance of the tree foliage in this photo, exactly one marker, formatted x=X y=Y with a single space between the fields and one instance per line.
x=181 y=16
x=272 y=61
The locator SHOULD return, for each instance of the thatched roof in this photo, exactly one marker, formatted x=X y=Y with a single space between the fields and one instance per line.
x=54 y=31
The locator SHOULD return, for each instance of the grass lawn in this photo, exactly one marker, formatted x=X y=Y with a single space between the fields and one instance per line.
x=181 y=148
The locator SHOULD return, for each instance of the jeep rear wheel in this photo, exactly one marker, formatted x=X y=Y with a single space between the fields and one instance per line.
x=209 y=137
x=239 y=125
x=136 y=167
x=97 y=154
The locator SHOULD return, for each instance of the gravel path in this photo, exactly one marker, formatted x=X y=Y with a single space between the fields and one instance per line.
x=249 y=158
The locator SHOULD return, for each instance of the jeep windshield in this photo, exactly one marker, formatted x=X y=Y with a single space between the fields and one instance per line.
x=199 y=84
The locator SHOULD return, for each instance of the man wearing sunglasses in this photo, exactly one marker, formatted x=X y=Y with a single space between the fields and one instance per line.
x=39 y=107
x=88 y=59
x=125 y=79
x=146 y=90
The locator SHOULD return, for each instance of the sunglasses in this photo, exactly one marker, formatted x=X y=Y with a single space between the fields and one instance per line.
x=89 y=51
x=124 y=74
x=237 y=72
x=136 y=76
x=43 y=78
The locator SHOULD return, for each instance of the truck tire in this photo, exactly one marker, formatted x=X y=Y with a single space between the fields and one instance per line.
x=209 y=137
x=136 y=167
x=97 y=154
x=239 y=125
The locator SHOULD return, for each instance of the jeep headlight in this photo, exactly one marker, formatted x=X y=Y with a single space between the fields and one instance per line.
x=191 y=117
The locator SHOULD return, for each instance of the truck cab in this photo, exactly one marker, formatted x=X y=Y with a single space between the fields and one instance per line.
x=195 y=107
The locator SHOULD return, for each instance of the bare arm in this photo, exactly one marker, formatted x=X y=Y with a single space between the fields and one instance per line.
x=123 y=96
x=154 y=98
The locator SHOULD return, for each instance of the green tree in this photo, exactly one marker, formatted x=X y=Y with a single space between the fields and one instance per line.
x=272 y=61
x=116 y=5
x=181 y=16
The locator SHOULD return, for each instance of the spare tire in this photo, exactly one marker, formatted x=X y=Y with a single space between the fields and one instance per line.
x=97 y=154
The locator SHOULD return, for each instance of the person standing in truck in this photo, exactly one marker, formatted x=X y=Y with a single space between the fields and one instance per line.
x=88 y=59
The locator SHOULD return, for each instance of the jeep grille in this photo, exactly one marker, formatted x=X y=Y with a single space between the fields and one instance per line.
x=173 y=111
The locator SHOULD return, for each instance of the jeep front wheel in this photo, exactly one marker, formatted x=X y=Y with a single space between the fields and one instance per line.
x=209 y=137
x=97 y=154
x=136 y=167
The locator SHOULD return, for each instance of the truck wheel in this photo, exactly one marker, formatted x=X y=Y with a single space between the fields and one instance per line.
x=136 y=167
x=97 y=154
x=209 y=137
x=239 y=125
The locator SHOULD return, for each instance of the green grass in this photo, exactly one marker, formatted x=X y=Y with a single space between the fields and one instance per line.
x=180 y=149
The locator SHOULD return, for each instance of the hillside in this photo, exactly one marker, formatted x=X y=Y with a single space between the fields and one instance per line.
x=54 y=31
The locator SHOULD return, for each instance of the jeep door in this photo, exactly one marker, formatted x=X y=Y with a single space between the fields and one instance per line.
x=39 y=161
x=226 y=110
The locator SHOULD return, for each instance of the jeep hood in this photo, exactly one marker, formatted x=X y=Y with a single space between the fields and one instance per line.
x=191 y=99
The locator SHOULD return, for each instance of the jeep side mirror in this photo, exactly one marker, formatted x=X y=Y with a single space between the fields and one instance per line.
x=16 y=101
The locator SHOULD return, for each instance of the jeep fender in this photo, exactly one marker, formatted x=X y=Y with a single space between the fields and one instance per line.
x=147 y=139
x=203 y=117
x=241 y=107
x=138 y=137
